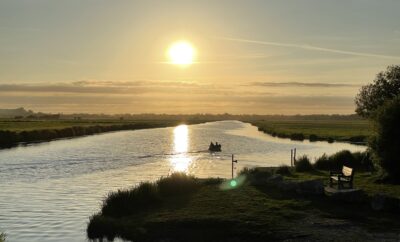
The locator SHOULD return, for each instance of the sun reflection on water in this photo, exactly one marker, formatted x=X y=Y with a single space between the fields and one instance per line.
x=180 y=160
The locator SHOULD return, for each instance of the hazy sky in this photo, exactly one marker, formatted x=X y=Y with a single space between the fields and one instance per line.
x=264 y=57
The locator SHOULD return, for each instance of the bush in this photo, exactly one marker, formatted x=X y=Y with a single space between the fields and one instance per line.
x=303 y=164
x=297 y=136
x=177 y=184
x=2 y=237
x=283 y=170
x=386 y=142
x=323 y=163
x=255 y=175
x=360 y=161
x=126 y=202
x=313 y=138
x=147 y=195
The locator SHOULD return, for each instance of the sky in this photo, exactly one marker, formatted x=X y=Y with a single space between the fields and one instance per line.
x=252 y=57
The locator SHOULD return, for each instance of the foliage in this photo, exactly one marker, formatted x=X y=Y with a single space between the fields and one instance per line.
x=386 y=86
x=253 y=213
x=283 y=170
x=14 y=132
x=352 y=129
x=177 y=184
x=386 y=142
x=147 y=195
x=360 y=161
x=255 y=175
x=303 y=164
x=2 y=237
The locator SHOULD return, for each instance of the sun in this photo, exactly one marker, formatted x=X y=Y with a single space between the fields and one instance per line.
x=181 y=53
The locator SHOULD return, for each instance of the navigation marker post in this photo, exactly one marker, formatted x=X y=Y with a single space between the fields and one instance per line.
x=233 y=165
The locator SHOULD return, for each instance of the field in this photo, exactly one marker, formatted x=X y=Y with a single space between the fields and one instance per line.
x=14 y=132
x=216 y=211
x=29 y=125
x=356 y=130
x=349 y=128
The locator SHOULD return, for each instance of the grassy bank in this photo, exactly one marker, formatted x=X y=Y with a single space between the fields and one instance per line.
x=13 y=132
x=213 y=210
x=356 y=130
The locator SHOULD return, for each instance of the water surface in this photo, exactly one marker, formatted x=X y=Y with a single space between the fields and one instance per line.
x=49 y=190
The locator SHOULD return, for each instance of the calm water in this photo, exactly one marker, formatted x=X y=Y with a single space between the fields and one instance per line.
x=49 y=190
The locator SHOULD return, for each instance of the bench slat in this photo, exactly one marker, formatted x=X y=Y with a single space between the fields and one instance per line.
x=347 y=171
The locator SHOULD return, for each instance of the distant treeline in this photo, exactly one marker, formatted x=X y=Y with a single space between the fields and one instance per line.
x=10 y=138
x=210 y=117
x=21 y=113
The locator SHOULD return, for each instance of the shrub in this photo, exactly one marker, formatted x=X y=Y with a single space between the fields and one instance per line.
x=177 y=184
x=386 y=142
x=303 y=164
x=340 y=159
x=147 y=195
x=255 y=175
x=126 y=202
x=313 y=138
x=323 y=163
x=360 y=161
x=297 y=136
x=283 y=170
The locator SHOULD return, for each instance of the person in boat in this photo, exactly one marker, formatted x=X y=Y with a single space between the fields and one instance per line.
x=212 y=146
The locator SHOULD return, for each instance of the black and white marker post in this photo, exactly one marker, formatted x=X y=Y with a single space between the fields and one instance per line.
x=233 y=165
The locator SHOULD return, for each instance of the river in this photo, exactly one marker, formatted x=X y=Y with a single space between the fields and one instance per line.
x=49 y=190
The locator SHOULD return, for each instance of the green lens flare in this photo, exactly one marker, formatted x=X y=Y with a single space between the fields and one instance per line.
x=233 y=183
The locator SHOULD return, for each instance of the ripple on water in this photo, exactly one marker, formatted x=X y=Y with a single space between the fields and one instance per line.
x=49 y=190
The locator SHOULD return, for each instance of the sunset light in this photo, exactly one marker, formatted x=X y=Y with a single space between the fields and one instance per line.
x=181 y=53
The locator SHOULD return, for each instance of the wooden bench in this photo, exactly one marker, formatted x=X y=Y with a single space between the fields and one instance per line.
x=342 y=177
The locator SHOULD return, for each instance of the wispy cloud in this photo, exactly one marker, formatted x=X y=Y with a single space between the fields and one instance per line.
x=302 y=84
x=312 y=48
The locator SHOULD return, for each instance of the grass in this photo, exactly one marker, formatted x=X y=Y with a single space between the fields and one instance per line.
x=363 y=180
x=244 y=213
x=14 y=132
x=29 y=125
x=303 y=164
x=356 y=130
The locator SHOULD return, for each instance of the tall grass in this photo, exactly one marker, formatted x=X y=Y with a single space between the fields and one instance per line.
x=283 y=170
x=147 y=195
x=360 y=161
x=303 y=164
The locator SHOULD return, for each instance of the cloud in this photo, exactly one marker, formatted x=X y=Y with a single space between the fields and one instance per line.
x=101 y=87
x=302 y=84
x=168 y=96
x=313 y=48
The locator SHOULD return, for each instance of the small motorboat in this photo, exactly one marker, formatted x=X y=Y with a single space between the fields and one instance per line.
x=214 y=147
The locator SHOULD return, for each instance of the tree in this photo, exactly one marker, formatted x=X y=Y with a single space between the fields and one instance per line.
x=386 y=86
x=386 y=142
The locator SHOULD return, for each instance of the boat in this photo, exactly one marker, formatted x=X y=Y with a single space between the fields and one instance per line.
x=214 y=147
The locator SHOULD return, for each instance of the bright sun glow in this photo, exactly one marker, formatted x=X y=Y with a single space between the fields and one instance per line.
x=180 y=161
x=181 y=53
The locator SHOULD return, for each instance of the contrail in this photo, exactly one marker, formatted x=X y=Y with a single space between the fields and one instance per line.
x=314 y=48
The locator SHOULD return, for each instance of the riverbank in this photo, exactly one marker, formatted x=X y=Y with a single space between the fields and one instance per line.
x=14 y=133
x=253 y=208
x=354 y=131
